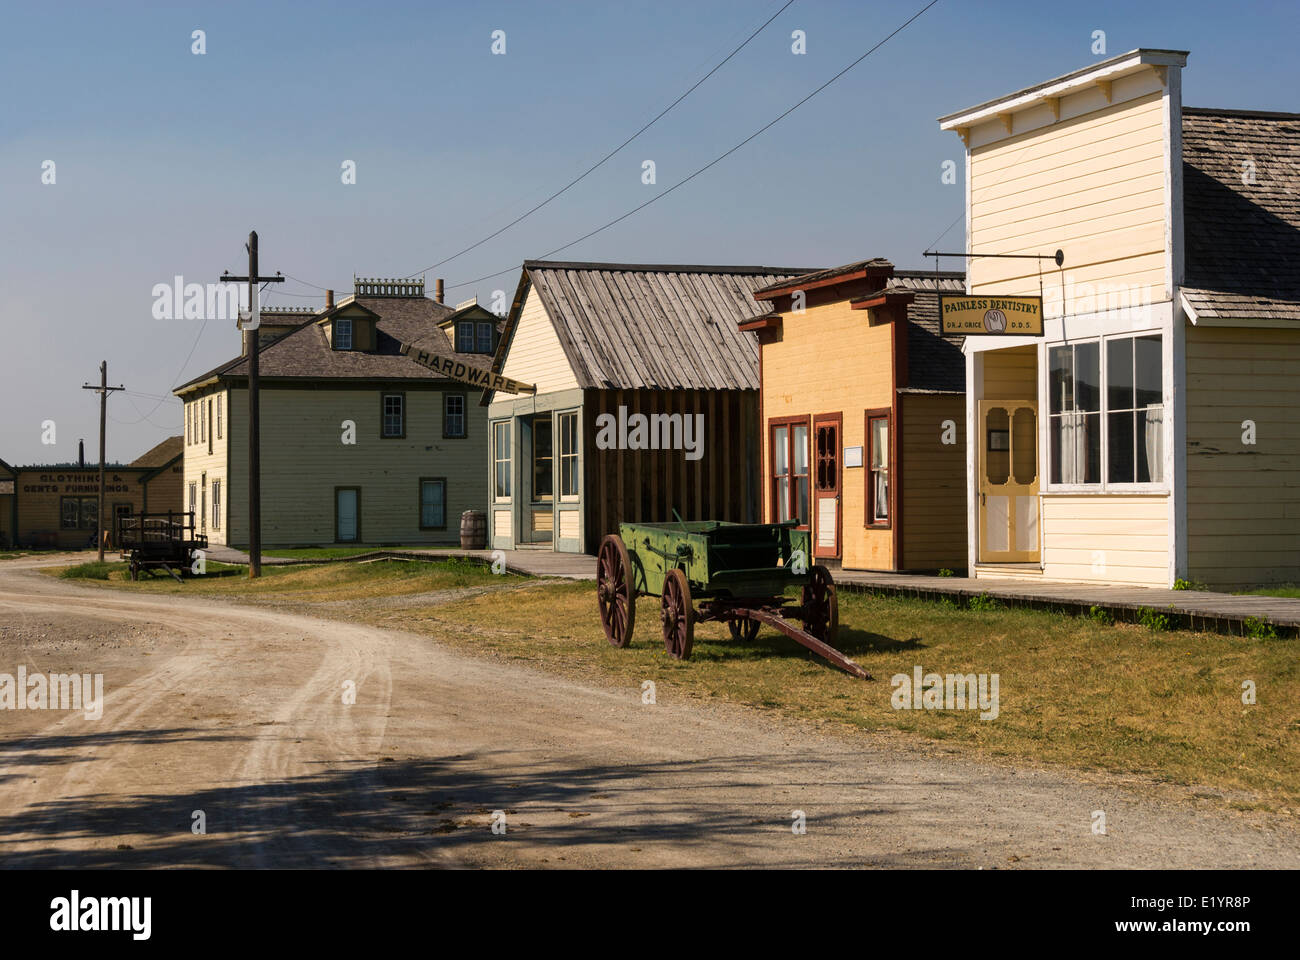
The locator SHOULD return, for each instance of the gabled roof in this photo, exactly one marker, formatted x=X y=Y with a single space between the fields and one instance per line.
x=1242 y=239
x=857 y=270
x=161 y=455
x=305 y=353
x=649 y=326
x=470 y=310
x=8 y=469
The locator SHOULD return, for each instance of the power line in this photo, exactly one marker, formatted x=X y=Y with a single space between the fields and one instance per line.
x=580 y=177
x=715 y=160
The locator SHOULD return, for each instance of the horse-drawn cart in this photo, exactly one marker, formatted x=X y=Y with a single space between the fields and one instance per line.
x=740 y=573
x=153 y=541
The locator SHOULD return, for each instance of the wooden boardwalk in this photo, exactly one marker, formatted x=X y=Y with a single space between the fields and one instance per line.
x=1190 y=609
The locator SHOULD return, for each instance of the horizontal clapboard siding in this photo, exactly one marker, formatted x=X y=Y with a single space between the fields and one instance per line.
x=535 y=355
x=1093 y=186
x=933 y=482
x=1243 y=500
x=1106 y=539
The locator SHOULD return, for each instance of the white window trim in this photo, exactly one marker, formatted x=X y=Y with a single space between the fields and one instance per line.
x=509 y=461
x=1105 y=488
x=577 y=454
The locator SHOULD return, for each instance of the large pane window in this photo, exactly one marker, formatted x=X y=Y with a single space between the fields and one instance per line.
x=501 y=459
x=543 y=459
x=1074 y=406
x=568 y=455
x=878 y=481
x=1132 y=405
x=789 y=479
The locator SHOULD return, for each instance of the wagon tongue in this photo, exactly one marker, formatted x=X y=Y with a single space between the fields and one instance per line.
x=819 y=647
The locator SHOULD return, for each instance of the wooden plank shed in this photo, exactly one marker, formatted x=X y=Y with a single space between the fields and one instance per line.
x=646 y=403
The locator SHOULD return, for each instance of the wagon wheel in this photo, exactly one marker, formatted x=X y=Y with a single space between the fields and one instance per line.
x=615 y=592
x=678 y=615
x=743 y=628
x=821 y=611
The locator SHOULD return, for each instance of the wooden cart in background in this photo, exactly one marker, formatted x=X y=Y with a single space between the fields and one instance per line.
x=153 y=541
x=739 y=571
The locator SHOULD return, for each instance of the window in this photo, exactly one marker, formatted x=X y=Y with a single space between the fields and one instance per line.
x=208 y=423
x=79 y=513
x=878 y=469
x=342 y=334
x=501 y=459
x=465 y=336
x=1125 y=422
x=216 y=504
x=790 y=470
x=194 y=495
x=394 y=415
x=543 y=458
x=189 y=423
x=219 y=418
x=453 y=415
x=1134 y=411
x=484 y=344
x=568 y=455
x=433 y=504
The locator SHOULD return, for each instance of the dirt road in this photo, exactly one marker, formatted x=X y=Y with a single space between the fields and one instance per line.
x=235 y=715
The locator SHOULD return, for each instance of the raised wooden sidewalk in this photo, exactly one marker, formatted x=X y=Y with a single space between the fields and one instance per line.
x=1189 y=609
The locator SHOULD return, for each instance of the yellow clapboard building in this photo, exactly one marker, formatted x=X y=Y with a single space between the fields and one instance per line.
x=1148 y=433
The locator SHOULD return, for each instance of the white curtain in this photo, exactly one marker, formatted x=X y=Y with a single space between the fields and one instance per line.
x=1155 y=443
x=1074 y=447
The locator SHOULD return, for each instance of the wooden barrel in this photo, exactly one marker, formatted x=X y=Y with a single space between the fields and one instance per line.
x=473 y=530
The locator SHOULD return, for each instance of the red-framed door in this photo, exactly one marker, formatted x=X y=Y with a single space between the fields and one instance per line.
x=827 y=451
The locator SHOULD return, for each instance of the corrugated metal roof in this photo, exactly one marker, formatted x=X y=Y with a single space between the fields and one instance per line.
x=647 y=327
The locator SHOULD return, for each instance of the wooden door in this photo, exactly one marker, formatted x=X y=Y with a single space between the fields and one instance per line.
x=1008 y=481
x=826 y=485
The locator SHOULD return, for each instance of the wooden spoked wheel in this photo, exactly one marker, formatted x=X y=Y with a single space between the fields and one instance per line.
x=615 y=592
x=743 y=629
x=821 y=611
x=678 y=615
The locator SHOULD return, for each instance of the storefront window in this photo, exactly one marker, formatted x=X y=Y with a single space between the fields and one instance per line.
x=1132 y=406
x=543 y=458
x=501 y=459
x=568 y=455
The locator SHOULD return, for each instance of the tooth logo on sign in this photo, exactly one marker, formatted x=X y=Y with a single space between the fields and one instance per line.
x=995 y=321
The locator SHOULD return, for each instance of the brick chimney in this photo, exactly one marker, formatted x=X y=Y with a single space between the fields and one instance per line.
x=329 y=299
x=437 y=286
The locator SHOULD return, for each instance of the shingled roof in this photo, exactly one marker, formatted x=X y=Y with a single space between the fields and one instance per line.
x=305 y=353
x=1242 y=239
x=161 y=455
x=651 y=326
x=934 y=361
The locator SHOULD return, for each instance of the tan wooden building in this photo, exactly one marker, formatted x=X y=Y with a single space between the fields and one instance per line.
x=863 y=416
x=359 y=444
x=57 y=505
x=1153 y=430
x=627 y=359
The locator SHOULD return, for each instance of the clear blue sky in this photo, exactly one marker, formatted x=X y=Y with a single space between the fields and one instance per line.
x=165 y=160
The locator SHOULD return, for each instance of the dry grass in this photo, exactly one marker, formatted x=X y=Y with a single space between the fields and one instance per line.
x=1115 y=698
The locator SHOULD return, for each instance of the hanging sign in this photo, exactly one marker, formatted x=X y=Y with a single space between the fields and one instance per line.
x=992 y=316
x=461 y=371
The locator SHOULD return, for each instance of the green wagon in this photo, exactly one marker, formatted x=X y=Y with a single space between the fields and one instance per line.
x=739 y=572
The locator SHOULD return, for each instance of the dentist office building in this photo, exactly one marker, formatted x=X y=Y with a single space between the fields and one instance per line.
x=1151 y=433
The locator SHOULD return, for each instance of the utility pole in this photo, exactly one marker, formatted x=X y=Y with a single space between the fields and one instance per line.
x=254 y=320
x=103 y=390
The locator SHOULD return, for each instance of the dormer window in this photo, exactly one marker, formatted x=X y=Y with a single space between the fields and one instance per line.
x=343 y=334
x=465 y=336
x=484 y=338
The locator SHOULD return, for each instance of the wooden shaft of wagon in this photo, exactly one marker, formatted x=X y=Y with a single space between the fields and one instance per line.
x=819 y=647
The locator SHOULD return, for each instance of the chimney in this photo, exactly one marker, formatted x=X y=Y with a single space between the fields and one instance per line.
x=329 y=299
x=81 y=454
x=438 y=290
